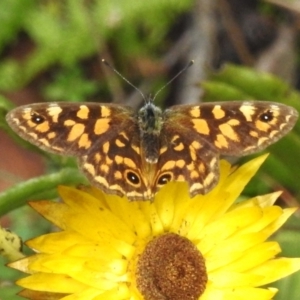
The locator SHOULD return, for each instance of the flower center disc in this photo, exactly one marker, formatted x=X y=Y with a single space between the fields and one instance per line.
x=171 y=267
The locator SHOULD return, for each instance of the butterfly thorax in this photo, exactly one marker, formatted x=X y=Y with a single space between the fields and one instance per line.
x=150 y=124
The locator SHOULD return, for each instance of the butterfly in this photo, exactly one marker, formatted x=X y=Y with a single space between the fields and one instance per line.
x=134 y=154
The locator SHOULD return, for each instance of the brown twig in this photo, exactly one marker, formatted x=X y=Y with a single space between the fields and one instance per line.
x=235 y=34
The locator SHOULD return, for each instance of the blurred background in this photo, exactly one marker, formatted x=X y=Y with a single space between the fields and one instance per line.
x=51 y=50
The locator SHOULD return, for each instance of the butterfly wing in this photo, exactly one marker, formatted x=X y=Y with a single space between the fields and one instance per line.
x=66 y=128
x=236 y=128
x=205 y=131
x=104 y=138
x=186 y=157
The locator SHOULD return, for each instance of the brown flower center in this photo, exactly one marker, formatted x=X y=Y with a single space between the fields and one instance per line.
x=171 y=267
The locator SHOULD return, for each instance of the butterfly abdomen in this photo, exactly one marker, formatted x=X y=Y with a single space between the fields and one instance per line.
x=150 y=124
x=150 y=145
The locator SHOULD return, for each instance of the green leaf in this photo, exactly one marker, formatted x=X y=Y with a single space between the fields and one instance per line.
x=215 y=90
x=12 y=15
x=70 y=85
x=259 y=85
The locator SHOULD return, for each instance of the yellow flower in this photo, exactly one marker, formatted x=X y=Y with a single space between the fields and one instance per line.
x=204 y=248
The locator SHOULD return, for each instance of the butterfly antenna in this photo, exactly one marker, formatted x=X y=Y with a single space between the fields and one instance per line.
x=125 y=79
x=179 y=73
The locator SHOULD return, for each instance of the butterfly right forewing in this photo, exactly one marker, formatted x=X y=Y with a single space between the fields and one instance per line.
x=236 y=128
x=66 y=128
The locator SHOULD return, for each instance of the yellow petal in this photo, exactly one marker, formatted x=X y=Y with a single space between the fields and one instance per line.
x=254 y=257
x=165 y=208
x=97 y=215
x=233 y=222
x=237 y=181
x=120 y=293
x=245 y=293
x=276 y=269
x=154 y=220
x=87 y=294
x=92 y=250
x=51 y=282
x=52 y=211
x=56 y=242
x=269 y=215
x=261 y=201
x=229 y=279
x=274 y=226
x=37 y=295
x=231 y=249
x=24 y=264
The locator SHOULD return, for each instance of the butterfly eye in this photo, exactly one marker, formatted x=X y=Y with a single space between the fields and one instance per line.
x=266 y=117
x=164 y=178
x=133 y=178
x=37 y=119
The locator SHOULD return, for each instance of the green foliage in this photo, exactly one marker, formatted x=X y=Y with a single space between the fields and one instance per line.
x=12 y=16
x=63 y=33
x=71 y=82
x=5 y=106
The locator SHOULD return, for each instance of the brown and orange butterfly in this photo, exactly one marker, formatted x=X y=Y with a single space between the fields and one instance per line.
x=135 y=154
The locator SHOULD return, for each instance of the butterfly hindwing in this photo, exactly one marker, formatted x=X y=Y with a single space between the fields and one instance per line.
x=185 y=156
x=115 y=164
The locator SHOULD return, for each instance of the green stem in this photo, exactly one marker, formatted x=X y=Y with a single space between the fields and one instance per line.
x=43 y=187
